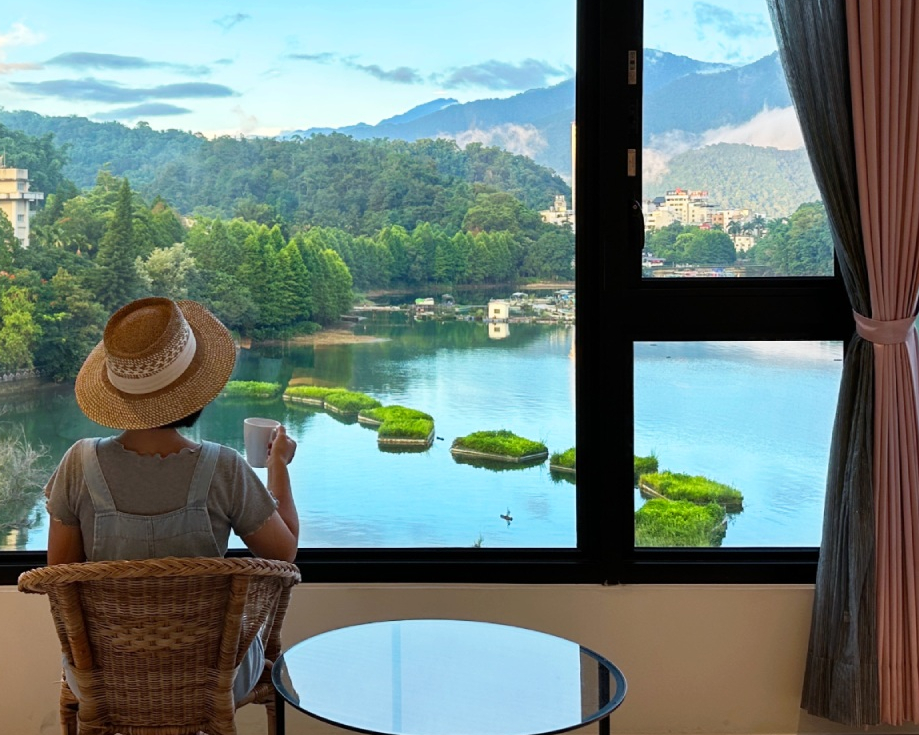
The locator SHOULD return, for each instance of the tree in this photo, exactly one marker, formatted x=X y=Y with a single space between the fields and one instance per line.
x=116 y=281
x=9 y=243
x=551 y=256
x=18 y=329
x=71 y=326
x=168 y=271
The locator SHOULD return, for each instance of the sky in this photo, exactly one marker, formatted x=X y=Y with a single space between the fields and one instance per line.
x=262 y=68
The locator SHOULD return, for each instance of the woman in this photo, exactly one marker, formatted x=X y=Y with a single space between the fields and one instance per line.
x=151 y=492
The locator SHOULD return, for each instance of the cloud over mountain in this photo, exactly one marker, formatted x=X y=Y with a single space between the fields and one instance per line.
x=148 y=109
x=95 y=90
x=500 y=75
x=90 y=60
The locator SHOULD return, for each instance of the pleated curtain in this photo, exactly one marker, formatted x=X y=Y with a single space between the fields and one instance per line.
x=853 y=71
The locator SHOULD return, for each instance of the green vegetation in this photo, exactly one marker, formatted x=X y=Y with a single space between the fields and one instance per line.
x=565 y=460
x=419 y=429
x=313 y=392
x=667 y=523
x=250 y=389
x=774 y=182
x=693 y=488
x=501 y=442
x=800 y=245
x=349 y=402
x=645 y=466
x=273 y=236
x=399 y=423
x=677 y=244
x=21 y=482
x=383 y=414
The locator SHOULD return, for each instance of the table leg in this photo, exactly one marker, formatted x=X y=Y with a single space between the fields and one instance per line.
x=279 y=713
x=603 y=696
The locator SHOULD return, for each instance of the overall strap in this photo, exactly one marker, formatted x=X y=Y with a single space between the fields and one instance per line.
x=204 y=471
x=98 y=488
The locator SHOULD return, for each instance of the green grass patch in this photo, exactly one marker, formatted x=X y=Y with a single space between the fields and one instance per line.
x=500 y=442
x=668 y=523
x=308 y=391
x=250 y=389
x=564 y=459
x=350 y=402
x=394 y=413
x=694 y=488
x=645 y=466
x=406 y=429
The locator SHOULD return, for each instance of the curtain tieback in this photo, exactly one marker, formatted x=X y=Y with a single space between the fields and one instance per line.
x=883 y=333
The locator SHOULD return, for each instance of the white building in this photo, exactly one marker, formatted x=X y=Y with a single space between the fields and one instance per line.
x=559 y=214
x=16 y=201
x=498 y=311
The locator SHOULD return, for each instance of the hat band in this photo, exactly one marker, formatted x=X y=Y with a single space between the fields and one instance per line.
x=149 y=383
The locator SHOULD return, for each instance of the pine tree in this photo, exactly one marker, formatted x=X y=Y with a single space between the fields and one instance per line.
x=116 y=281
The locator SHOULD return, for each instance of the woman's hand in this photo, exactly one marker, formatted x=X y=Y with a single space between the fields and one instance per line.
x=281 y=448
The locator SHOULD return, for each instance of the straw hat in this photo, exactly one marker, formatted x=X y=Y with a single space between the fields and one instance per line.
x=158 y=361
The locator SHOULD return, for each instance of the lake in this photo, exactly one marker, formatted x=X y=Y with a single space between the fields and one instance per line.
x=757 y=417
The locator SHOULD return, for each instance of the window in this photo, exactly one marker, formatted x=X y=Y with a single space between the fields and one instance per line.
x=517 y=374
x=736 y=325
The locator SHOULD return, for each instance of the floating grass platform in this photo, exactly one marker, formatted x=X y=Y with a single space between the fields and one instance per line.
x=349 y=403
x=693 y=488
x=309 y=394
x=669 y=523
x=499 y=446
x=250 y=389
x=564 y=462
x=398 y=426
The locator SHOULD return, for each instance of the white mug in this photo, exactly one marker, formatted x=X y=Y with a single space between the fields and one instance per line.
x=257 y=434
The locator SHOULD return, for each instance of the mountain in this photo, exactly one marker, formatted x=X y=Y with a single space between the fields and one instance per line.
x=680 y=94
x=769 y=181
x=684 y=98
x=707 y=99
x=503 y=122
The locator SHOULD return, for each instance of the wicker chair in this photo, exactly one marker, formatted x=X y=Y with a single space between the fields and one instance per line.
x=154 y=644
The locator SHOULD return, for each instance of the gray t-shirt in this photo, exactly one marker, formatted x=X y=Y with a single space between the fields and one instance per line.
x=149 y=485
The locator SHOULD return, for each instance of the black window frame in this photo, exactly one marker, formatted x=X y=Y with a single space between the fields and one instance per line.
x=611 y=293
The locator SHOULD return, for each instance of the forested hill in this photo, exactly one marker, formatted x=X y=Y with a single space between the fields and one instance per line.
x=327 y=180
x=768 y=181
x=136 y=152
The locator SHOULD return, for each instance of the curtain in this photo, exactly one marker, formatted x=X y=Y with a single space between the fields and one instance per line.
x=853 y=71
x=840 y=681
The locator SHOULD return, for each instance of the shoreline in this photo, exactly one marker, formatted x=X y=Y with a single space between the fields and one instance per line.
x=322 y=338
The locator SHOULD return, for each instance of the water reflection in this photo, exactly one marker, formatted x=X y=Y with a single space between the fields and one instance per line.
x=352 y=493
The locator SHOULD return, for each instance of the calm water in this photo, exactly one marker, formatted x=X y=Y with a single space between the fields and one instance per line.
x=756 y=418
x=348 y=492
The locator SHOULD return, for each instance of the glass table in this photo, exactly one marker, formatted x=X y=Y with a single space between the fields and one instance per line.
x=445 y=677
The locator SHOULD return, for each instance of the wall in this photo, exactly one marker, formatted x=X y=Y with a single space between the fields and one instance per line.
x=698 y=659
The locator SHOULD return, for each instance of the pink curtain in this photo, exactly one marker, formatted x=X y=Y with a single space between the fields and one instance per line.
x=883 y=37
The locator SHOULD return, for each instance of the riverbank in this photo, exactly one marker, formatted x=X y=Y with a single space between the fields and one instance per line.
x=322 y=338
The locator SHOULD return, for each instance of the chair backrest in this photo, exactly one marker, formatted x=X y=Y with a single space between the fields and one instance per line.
x=156 y=643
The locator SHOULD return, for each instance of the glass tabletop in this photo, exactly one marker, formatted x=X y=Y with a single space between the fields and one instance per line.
x=443 y=677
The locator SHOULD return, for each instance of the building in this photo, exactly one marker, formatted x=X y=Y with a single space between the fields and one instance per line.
x=16 y=201
x=558 y=213
x=498 y=311
x=679 y=205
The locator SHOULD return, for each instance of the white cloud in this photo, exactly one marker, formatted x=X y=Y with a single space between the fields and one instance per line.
x=656 y=156
x=18 y=35
x=524 y=140
x=776 y=128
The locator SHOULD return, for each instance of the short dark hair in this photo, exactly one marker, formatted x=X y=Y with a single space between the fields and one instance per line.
x=185 y=422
